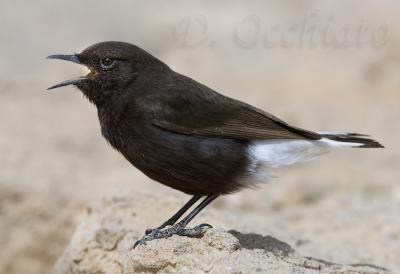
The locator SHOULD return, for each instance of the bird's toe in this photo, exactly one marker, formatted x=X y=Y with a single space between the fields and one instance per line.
x=195 y=231
x=153 y=234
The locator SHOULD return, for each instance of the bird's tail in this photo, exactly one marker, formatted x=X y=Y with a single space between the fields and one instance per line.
x=349 y=140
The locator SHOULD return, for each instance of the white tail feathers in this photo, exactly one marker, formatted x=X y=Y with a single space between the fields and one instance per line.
x=275 y=153
x=287 y=151
x=333 y=143
x=338 y=139
x=266 y=154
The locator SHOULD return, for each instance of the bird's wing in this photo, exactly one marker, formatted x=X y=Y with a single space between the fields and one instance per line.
x=215 y=115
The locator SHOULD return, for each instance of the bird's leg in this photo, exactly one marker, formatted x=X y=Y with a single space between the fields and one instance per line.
x=176 y=216
x=179 y=228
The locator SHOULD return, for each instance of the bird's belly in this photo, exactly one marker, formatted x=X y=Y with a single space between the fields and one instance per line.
x=194 y=165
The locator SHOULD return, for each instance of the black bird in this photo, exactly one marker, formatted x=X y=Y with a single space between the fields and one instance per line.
x=185 y=135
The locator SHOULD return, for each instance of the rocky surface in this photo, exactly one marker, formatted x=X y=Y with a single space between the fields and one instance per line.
x=102 y=243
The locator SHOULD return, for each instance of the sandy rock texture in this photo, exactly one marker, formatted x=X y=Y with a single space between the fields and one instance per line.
x=102 y=243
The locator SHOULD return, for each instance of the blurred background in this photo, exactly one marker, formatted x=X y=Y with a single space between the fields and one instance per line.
x=321 y=65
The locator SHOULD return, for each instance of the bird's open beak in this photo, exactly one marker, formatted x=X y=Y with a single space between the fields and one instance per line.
x=72 y=58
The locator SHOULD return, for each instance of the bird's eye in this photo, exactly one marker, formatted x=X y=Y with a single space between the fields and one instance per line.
x=107 y=63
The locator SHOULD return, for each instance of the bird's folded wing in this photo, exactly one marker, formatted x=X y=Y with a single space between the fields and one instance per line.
x=244 y=122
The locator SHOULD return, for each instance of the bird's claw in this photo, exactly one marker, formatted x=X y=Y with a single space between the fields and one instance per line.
x=153 y=234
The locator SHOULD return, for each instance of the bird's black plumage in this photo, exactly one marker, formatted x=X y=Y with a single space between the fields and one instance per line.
x=174 y=129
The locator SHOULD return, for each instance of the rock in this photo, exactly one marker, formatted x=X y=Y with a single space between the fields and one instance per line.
x=102 y=244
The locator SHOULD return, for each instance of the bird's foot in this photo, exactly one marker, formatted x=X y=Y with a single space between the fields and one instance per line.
x=178 y=229
x=164 y=225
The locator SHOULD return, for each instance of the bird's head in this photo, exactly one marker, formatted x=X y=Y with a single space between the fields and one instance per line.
x=113 y=66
